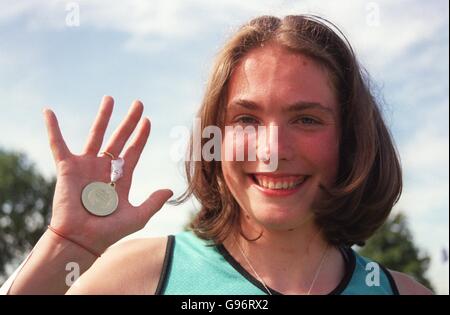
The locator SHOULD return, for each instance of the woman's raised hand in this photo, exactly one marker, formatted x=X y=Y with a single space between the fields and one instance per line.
x=74 y=172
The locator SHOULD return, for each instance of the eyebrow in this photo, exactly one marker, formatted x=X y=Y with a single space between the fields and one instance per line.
x=295 y=107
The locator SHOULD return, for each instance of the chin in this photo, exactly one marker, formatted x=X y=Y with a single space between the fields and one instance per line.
x=281 y=220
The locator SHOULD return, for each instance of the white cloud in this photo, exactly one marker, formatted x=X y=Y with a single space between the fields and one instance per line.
x=147 y=23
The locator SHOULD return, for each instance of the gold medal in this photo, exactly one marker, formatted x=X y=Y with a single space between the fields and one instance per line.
x=100 y=198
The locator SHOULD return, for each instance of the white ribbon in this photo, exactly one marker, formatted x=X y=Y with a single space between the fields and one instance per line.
x=116 y=169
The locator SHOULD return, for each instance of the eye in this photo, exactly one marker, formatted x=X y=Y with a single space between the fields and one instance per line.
x=308 y=121
x=247 y=120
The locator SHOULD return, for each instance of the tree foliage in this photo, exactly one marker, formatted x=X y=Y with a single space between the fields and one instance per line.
x=393 y=246
x=25 y=207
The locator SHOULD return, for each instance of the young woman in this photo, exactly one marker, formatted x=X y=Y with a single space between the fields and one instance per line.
x=259 y=231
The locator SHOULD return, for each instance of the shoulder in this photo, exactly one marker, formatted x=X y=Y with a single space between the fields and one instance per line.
x=129 y=267
x=407 y=285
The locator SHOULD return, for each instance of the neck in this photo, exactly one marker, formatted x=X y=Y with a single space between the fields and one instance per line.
x=288 y=261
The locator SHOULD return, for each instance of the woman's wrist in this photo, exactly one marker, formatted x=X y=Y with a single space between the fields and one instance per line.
x=88 y=249
x=62 y=245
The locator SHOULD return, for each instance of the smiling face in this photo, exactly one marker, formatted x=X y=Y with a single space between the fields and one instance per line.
x=272 y=86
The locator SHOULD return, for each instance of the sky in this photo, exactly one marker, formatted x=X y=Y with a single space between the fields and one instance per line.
x=67 y=54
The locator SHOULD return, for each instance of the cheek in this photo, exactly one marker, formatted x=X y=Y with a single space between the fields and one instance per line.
x=235 y=179
x=233 y=156
x=230 y=167
x=238 y=146
x=230 y=147
x=322 y=152
x=227 y=172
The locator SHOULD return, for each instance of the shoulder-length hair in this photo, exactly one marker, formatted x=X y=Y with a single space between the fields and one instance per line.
x=369 y=180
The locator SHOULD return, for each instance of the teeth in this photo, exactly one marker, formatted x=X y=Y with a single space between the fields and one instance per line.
x=287 y=184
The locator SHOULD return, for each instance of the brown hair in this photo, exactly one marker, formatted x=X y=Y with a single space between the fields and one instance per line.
x=369 y=180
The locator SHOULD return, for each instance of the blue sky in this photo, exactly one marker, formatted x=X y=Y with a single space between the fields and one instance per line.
x=161 y=51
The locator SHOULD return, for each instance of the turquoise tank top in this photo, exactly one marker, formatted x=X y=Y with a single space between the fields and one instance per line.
x=194 y=266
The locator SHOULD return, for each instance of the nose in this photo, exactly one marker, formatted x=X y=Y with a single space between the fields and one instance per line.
x=274 y=142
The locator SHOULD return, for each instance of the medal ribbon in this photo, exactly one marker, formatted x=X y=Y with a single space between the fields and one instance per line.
x=116 y=169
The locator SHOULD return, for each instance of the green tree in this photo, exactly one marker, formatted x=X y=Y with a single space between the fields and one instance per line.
x=393 y=246
x=25 y=208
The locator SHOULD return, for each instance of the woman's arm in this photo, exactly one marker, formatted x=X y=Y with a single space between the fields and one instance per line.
x=50 y=267
x=60 y=255
x=408 y=286
x=131 y=267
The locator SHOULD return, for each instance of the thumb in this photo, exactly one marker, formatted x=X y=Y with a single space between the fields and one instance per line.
x=154 y=202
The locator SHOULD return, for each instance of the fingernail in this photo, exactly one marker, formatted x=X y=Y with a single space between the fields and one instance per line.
x=105 y=97
x=170 y=191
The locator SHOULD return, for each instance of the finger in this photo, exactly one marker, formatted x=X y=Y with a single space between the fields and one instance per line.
x=57 y=144
x=98 y=129
x=125 y=129
x=134 y=150
x=153 y=203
